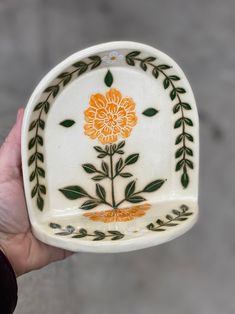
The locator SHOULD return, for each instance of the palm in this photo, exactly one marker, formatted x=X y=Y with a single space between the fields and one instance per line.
x=24 y=251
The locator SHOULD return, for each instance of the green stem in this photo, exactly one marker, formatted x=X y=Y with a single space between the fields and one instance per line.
x=112 y=178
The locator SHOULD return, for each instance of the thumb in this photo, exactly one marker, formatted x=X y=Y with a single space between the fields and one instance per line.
x=10 y=152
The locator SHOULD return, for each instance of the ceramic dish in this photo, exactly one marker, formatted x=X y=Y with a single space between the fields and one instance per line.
x=110 y=150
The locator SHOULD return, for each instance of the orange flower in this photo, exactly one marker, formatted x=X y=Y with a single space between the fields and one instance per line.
x=119 y=215
x=110 y=116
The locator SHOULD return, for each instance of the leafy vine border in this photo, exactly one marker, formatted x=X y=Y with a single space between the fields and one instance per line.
x=171 y=220
x=175 y=94
x=43 y=107
x=35 y=145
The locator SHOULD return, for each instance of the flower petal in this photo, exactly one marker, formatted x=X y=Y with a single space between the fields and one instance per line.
x=128 y=103
x=98 y=101
x=113 y=95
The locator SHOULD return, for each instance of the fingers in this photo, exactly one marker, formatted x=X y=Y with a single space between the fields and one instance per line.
x=10 y=152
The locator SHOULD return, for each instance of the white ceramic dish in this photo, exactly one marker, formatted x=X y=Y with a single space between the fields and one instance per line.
x=110 y=150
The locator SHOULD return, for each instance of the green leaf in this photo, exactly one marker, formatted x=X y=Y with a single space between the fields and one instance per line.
x=117 y=235
x=41 y=172
x=32 y=125
x=89 y=168
x=99 y=149
x=186 y=106
x=82 y=233
x=189 y=151
x=179 y=138
x=46 y=107
x=38 y=106
x=143 y=66
x=130 y=61
x=125 y=175
x=120 y=152
x=176 y=108
x=82 y=69
x=150 y=226
x=179 y=165
x=67 y=79
x=40 y=202
x=164 y=67
x=149 y=59
x=130 y=189
x=41 y=124
x=39 y=139
x=160 y=222
x=40 y=156
x=32 y=143
x=102 y=155
x=188 y=121
x=174 y=78
x=89 y=204
x=119 y=165
x=32 y=176
x=136 y=199
x=154 y=186
x=189 y=137
x=133 y=54
x=130 y=56
x=73 y=192
x=70 y=229
x=166 y=83
x=54 y=225
x=67 y=123
x=105 y=167
x=173 y=94
x=54 y=89
x=108 y=79
x=31 y=159
x=100 y=192
x=150 y=112
x=98 y=177
x=178 y=123
x=189 y=163
x=179 y=152
x=180 y=90
x=96 y=61
x=63 y=75
x=155 y=72
x=185 y=179
x=131 y=159
x=42 y=189
x=121 y=144
x=100 y=235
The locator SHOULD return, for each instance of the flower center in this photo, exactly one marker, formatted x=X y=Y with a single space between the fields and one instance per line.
x=111 y=119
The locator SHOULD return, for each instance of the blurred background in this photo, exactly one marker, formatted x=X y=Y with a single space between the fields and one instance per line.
x=194 y=274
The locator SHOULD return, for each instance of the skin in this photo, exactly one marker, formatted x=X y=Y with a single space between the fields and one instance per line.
x=23 y=250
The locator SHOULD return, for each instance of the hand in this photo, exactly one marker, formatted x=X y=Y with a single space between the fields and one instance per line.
x=23 y=250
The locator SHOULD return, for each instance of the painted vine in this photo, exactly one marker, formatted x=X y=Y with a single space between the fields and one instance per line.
x=36 y=158
x=171 y=220
x=183 y=152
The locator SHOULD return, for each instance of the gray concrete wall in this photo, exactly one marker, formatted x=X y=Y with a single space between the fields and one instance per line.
x=194 y=274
